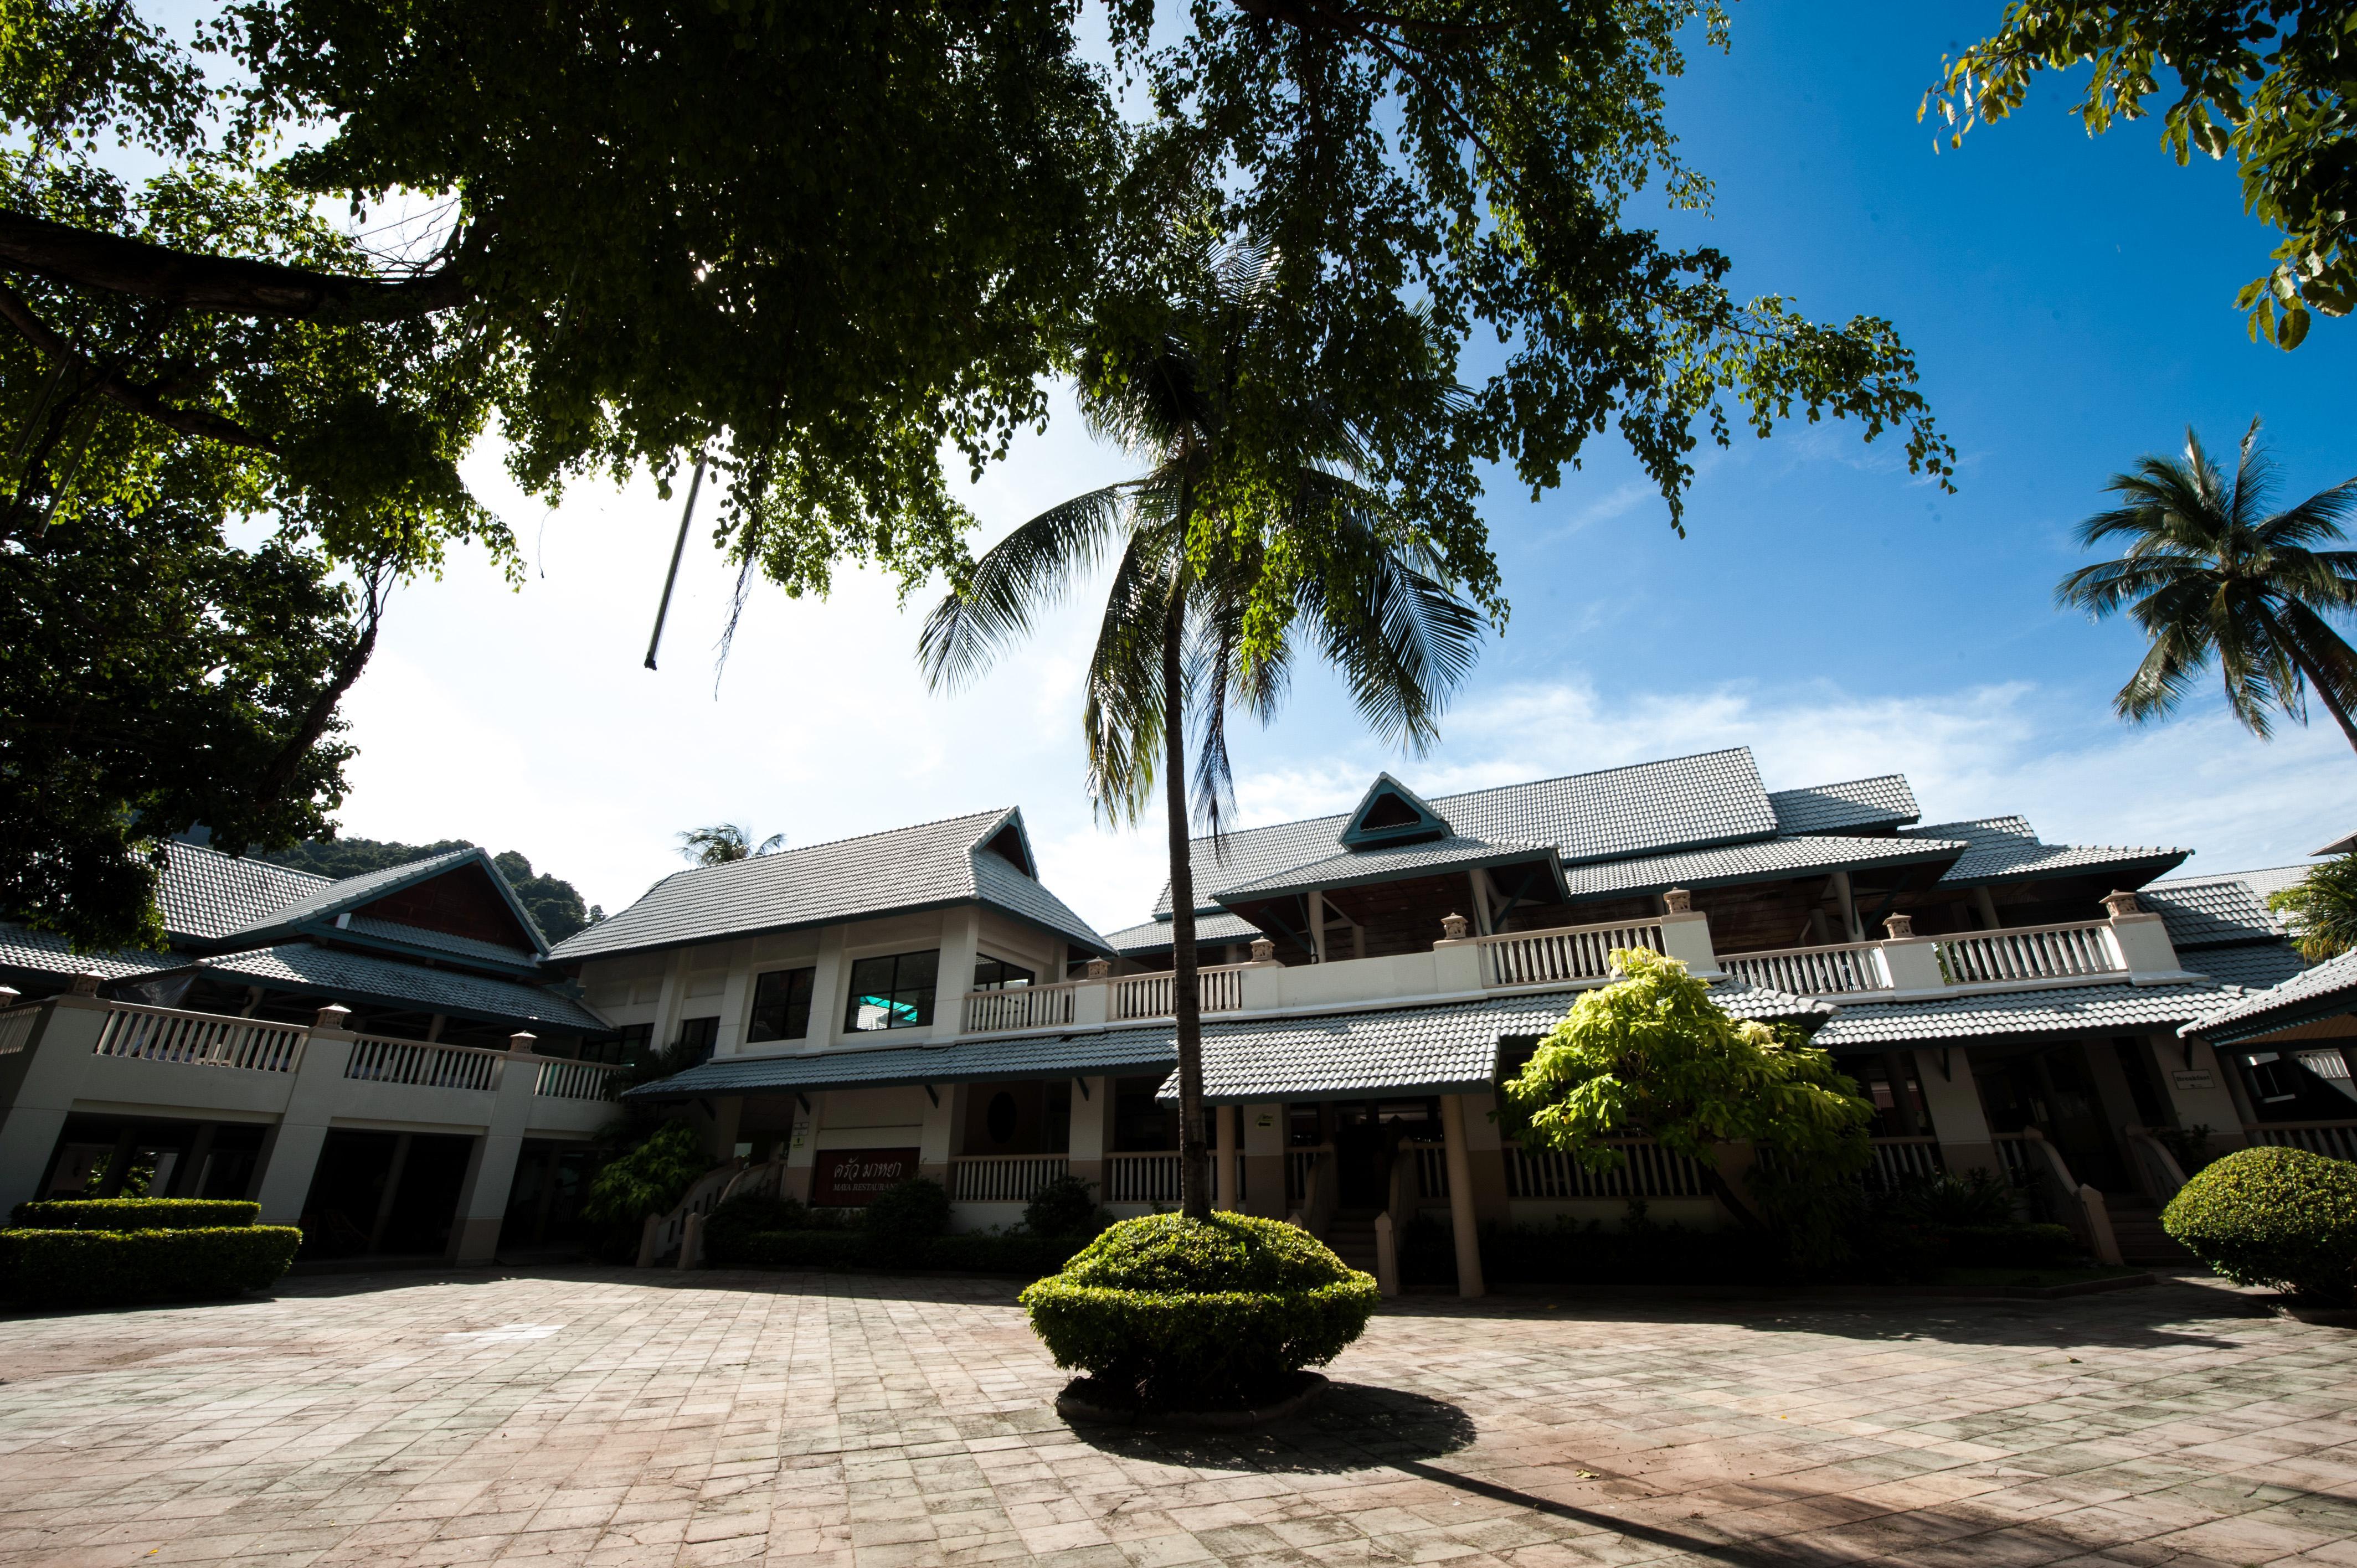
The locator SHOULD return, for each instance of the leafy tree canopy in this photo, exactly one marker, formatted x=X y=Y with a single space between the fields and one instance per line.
x=724 y=843
x=555 y=905
x=1651 y=1056
x=2265 y=81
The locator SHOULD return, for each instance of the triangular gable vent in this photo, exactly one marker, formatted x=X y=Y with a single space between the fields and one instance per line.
x=1008 y=845
x=1392 y=814
x=461 y=902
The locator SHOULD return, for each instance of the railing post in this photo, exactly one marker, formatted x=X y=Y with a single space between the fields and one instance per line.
x=291 y=1151
x=1911 y=962
x=1685 y=935
x=2141 y=941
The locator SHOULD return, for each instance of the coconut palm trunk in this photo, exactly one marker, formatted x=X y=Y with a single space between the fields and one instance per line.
x=1186 y=999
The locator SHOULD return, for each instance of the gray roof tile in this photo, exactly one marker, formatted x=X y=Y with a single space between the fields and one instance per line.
x=1152 y=935
x=1829 y=808
x=1353 y=868
x=2079 y=1008
x=2005 y=849
x=1037 y=1055
x=1745 y=862
x=350 y=977
x=207 y=895
x=1710 y=798
x=2255 y=966
x=2331 y=987
x=2208 y=913
x=46 y=953
x=926 y=866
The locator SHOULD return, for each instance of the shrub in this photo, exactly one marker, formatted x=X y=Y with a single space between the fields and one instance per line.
x=110 y=1268
x=908 y=1211
x=1210 y=1312
x=1064 y=1207
x=2272 y=1216
x=1002 y=1252
x=648 y=1179
x=1975 y=1199
x=789 y=1250
x=728 y=1228
x=133 y=1214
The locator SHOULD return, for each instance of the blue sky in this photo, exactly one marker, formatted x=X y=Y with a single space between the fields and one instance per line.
x=2071 y=303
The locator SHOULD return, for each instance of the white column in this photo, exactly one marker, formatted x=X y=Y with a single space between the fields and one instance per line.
x=961 y=942
x=1849 y=906
x=671 y=1002
x=935 y=1143
x=801 y=1146
x=1954 y=1100
x=1485 y=920
x=735 y=1002
x=491 y=1168
x=1317 y=902
x=292 y=1154
x=831 y=975
x=39 y=1084
x=1091 y=1131
x=1462 y=1222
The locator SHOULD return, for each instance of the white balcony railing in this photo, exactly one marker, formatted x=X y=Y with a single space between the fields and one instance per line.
x=1431 y=1170
x=2336 y=1139
x=16 y=1028
x=1648 y=1171
x=1002 y=1178
x=420 y=1064
x=1899 y=1161
x=562 y=1079
x=198 y=1039
x=1220 y=988
x=1833 y=971
x=1571 y=953
x=2031 y=953
x=1021 y=1007
x=1141 y=1178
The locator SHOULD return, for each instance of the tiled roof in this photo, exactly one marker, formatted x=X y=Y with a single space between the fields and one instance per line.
x=1829 y=808
x=1712 y=798
x=349 y=892
x=2081 y=1008
x=2331 y=987
x=1216 y=927
x=922 y=868
x=2209 y=913
x=2255 y=966
x=1353 y=868
x=1744 y=862
x=1037 y=1055
x=207 y=895
x=441 y=941
x=2005 y=849
x=43 y=952
x=357 y=978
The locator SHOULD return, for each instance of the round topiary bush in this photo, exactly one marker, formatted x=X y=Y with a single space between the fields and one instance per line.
x=2272 y=1217
x=1204 y=1313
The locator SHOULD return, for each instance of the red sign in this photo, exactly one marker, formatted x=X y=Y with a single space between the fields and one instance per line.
x=847 y=1178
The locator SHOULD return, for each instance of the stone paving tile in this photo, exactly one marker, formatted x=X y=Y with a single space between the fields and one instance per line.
x=720 y=1418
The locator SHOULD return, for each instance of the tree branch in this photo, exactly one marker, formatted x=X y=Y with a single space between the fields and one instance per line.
x=237 y=285
x=138 y=398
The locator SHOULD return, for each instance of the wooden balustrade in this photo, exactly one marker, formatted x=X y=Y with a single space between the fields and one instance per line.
x=2335 y=1139
x=198 y=1039
x=1830 y=971
x=561 y=1080
x=421 y=1063
x=2030 y=952
x=1002 y=1178
x=1647 y=1170
x=1571 y=953
x=1021 y=1007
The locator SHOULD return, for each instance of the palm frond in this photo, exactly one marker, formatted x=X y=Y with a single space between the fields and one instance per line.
x=1030 y=570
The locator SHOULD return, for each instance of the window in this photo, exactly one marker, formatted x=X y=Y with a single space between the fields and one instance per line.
x=630 y=1046
x=998 y=974
x=781 y=1004
x=894 y=992
x=696 y=1038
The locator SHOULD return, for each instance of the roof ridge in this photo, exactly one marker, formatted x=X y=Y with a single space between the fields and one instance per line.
x=794 y=849
x=1845 y=783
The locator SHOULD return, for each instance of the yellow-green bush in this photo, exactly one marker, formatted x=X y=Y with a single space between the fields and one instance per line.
x=110 y=1268
x=2272 y=1216
x=1172 y=1311
x=133 y=1214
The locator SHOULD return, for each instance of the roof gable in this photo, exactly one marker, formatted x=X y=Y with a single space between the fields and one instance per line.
x=458 y=893
x=1391 y=813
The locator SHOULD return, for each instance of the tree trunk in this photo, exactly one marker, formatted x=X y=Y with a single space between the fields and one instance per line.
x=279 y=776
x=1186 y=1008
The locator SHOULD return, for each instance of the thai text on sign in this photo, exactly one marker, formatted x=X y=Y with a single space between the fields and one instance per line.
x=847 y=1178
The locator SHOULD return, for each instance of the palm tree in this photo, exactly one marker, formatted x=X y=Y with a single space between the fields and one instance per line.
x=2211 y=574
x=2323 y=909
x=723 y=843
x=1215 y=577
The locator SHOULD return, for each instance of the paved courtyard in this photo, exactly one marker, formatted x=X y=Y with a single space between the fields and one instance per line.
x=603 y=1417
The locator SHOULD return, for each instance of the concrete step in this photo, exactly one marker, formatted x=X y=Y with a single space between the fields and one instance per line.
x=2141 y=1239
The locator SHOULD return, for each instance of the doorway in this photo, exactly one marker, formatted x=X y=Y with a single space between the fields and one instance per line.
x=2050 y=1087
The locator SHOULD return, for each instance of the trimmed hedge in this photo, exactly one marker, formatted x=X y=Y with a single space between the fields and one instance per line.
x=736 y=1246
x=1166 y=1310
x=133 y=1214
x=2272 y=1216
x=112 y=1268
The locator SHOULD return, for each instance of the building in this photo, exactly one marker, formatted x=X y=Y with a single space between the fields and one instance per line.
x=917 y=1002
x=386 y=1058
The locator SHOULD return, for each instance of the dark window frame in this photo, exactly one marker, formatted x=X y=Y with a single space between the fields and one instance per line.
x=905 y=1003
x=1006 y=975
x=785 y=1013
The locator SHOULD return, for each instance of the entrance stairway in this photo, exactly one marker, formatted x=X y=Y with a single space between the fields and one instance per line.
x=2136 y=1228
x=1351 y=1234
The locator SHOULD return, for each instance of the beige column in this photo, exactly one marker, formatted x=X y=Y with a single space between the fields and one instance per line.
x=801 y=1146
x=1462 y=1222
x=1264 y=1160
x=1485 y=1151
x=1091 y=1131
x=1954 y=1102
x=1224 y=1158
x=490 y=1171
x=293 y=1149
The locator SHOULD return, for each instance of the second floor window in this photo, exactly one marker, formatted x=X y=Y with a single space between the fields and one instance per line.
x=696 y=1038
x=998 y=974
x=895 y=992
x=782 y=1005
